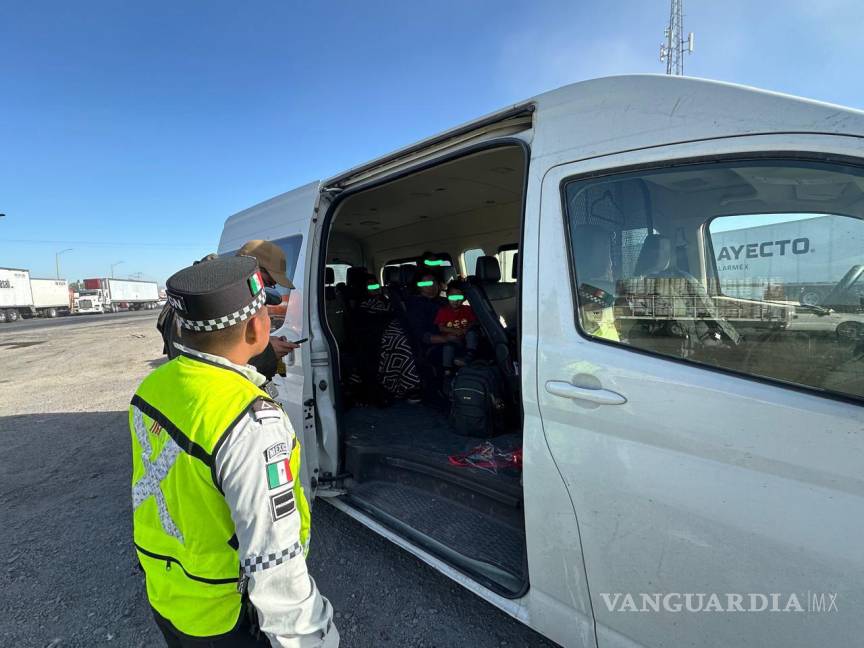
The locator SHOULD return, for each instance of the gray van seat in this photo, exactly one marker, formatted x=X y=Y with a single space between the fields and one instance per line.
x=655 y=257
x=501 y=295
x=335 y=307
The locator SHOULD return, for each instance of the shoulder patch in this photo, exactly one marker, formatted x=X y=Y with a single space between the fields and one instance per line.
x=281 y=449
x=265 y=409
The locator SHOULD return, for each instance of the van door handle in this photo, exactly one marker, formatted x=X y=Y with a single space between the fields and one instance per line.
x=569 y=390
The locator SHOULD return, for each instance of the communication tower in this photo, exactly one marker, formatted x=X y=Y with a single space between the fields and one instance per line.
x=673 y=50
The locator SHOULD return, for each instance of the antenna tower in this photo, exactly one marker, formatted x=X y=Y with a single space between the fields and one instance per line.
x=673 y=50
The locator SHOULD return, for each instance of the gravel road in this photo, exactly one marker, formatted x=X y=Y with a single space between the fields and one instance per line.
x=68 y=575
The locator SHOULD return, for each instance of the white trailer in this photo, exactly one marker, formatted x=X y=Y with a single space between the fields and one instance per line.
x=133 y=292
x=16 y=297
x=50 y=297
x=110 y=295
x=806 y=256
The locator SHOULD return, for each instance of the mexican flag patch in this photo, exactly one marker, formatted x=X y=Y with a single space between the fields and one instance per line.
x=278 y=473
x=256 y=283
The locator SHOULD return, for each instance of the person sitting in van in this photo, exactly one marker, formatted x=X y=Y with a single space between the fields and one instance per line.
x=368 y=324
x=457 y=318
x=422 y=309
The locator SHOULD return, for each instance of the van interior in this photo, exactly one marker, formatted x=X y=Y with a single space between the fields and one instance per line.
x=457 y=495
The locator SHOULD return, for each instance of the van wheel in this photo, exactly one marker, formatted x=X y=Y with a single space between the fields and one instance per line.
x=11 y=316
x=52 y=312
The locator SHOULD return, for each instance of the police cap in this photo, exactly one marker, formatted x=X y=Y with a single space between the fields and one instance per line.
x=217 y=293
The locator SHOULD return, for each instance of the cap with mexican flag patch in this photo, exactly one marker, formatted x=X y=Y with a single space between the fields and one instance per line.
x=216 y=294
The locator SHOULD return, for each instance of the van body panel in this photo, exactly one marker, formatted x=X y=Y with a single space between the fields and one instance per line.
x=702 y=482
x=290 y=214
x=616 y=114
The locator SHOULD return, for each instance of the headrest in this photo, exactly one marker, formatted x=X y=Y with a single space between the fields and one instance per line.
x=406 y=274
x=592 y=252
x=329 y=275
x=356 y=277
x=655 y=255
x=488 y=269
x=449 y=273
x=514 y=271
x=391 y=274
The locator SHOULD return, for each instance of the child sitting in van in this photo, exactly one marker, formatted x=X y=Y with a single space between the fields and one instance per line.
x=456 y=320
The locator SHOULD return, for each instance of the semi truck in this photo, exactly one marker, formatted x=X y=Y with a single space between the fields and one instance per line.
x=24 y=296
x=105 y=295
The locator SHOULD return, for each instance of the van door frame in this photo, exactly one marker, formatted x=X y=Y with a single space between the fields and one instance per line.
x=321 y=250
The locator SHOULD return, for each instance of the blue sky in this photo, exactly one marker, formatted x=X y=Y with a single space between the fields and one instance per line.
x=131 y=130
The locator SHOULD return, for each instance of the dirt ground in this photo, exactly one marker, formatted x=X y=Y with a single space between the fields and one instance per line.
x=68 y=575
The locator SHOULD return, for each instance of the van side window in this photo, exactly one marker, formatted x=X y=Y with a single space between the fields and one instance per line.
x=469 y=260
x=291 y=247
x=755 y=267
x=507 y=262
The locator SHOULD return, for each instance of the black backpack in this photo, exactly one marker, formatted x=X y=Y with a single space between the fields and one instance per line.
x=477 y=408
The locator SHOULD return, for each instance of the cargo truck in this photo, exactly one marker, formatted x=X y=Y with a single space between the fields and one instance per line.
x=105 y=295
x=23 y=296
x=50 y=297
x=16 y=296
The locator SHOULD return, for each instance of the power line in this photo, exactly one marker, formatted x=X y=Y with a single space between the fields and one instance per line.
x=103 y=243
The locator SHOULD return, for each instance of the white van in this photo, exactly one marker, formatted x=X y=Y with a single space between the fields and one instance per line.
x=692 y=461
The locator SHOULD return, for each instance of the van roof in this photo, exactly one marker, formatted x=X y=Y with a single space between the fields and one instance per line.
x=595 y=118
x=620 y=113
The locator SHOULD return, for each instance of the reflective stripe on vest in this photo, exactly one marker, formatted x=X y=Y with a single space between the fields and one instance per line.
x=179 y=418
x=154 y=473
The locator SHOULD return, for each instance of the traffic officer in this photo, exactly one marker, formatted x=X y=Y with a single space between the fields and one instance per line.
x=221 y=523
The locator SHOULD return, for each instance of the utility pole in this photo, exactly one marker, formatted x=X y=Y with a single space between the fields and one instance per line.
x=57 y=260
x=673 y=50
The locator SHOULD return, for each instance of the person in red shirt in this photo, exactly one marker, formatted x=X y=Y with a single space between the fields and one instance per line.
x=456 y=320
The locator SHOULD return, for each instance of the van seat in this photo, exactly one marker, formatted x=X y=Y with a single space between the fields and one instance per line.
x=501 y=295
x=335 y=308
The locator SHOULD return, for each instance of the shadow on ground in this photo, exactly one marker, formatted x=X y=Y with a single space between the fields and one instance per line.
x=69 y=573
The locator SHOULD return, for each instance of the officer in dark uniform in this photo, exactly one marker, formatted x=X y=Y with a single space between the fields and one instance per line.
x=221 y=522
x=272 y=263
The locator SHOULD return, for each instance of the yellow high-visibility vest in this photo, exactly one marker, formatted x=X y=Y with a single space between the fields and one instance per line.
x=184 y=534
